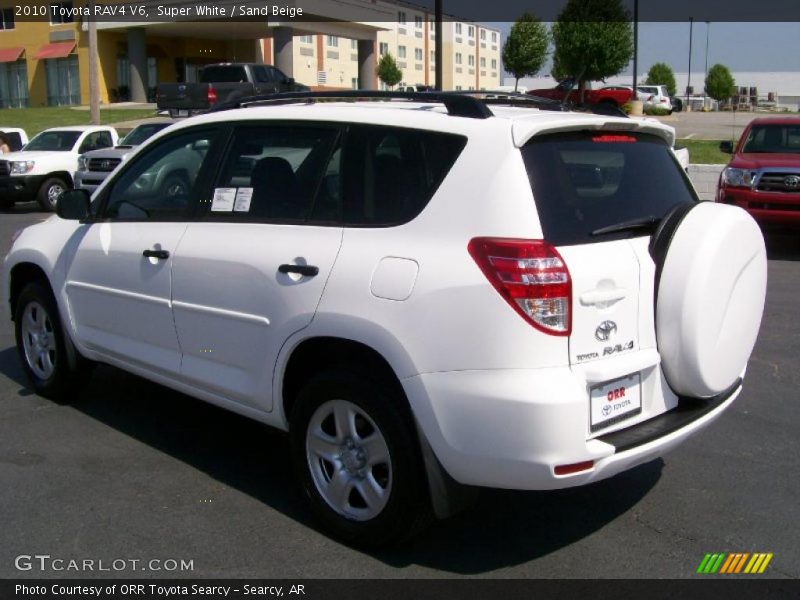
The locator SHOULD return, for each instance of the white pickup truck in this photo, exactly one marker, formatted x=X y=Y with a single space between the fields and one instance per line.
x=43 y=170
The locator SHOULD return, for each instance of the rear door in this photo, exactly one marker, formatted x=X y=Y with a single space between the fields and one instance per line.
x=599 y=196
x=251 y=271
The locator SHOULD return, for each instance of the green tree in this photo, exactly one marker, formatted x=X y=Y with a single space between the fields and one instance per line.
x=719 y=83
x=593 y=40
x=388 y=71
x=661 y=74
x=525 y=48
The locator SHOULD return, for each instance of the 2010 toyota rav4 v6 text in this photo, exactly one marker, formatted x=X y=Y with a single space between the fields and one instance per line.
x=429 y=295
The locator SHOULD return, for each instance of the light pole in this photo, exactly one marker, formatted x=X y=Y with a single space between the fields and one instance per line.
x=708 y=34
x=689 y=76
x=635 y=45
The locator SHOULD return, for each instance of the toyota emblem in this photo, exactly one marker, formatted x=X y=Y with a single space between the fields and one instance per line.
x=605 y=330
x=792 y=182
x=105 y=164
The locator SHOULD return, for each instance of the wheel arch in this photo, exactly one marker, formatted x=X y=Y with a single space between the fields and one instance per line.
x=65 y=176
x=20 y=275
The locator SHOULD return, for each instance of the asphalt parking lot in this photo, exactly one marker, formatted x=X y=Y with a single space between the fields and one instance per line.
x=131 y=470
x=721 y=125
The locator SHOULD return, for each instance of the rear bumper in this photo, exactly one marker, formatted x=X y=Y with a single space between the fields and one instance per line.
x=20 y=188
x=510 y=429
x=767 y=208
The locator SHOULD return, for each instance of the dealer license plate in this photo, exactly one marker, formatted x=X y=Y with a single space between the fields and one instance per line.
x=615 y=401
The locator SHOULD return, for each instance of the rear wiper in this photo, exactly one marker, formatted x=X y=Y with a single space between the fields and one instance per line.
x=648 y=222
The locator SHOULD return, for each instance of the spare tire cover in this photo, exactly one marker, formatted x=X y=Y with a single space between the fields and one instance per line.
x=710 y=299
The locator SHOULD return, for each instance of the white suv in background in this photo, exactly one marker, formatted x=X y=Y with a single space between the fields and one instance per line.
x=430 y=296
x=655 y=96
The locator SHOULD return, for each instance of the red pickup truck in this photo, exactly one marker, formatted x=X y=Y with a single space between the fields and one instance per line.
x=614 y=97
x=763 y=176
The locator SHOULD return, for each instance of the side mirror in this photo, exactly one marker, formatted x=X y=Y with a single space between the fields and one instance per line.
x=290 y=80
x=726 y=147
x=74 y=205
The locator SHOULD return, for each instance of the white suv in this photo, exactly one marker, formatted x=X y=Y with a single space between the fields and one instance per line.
x=430 y=296
x=655 y=96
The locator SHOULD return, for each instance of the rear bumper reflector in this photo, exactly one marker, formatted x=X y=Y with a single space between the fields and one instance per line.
x=574 y=468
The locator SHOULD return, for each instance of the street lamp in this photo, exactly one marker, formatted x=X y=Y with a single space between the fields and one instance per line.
x=689 y=76
x=708 y=33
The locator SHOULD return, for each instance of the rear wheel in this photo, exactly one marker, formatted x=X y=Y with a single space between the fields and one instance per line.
x=42 y=344
x=49 y=193
x=358 y=460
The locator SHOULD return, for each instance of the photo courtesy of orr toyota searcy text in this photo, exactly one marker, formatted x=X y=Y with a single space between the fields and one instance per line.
x=155 y=590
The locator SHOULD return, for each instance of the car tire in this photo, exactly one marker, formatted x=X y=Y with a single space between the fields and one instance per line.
x=357 y=457
x=52 y=364
x=49 y=192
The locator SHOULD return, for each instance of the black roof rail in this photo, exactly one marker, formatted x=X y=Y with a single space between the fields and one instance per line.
x=457 y=105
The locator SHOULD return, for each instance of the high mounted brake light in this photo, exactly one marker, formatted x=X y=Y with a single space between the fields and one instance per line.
x=212 y=94
x=623 y=139
x=531 y=276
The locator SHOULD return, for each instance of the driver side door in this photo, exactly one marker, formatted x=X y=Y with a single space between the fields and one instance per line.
x=119 y=281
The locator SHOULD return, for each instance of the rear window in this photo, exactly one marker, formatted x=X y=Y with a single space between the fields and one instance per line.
x=228 y=74
x=586 y=181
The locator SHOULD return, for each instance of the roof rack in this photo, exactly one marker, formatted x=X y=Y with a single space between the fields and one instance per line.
x=457 y=105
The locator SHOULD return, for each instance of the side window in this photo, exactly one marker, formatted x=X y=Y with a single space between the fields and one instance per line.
x=390 y=174
x=261 y=74
x=104 y=139
x=157 y=185
x=277 y=76
x=275 y=173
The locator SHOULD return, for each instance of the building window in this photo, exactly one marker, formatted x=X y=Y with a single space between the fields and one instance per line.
x=458 y=28
x=471 y=88
x=458 y=88
x=383 y=48
x=307 y=39
x=483 y=34
x=494 y=63
x=401 y=17
x=333 y=41
x=471 y=60
x=354 y=83
x=401 y=52
x=418 y=53
x=471 y=31
x=483 y=62
x=418 y=22
x=494 y=36
x=7 y=18
x=458 y=58
x=433 y=56
x=354 y=44
x=14 y=84
x=60 y=12
x=63 y=82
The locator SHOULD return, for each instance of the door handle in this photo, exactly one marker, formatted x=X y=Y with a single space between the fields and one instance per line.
x=159 y=254
x=305 y=270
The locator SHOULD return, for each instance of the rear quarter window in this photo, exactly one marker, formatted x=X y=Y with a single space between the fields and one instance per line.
x=585 y=181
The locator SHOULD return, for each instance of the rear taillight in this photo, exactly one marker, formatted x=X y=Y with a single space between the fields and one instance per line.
x=212 y=95
x=531 y=276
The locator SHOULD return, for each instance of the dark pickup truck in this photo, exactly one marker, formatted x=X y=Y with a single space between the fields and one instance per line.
x=222 y=83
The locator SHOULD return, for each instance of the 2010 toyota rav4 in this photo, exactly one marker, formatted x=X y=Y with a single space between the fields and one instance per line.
x=429 y=296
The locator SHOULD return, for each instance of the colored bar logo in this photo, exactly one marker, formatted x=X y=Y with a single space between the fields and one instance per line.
x=734 y=563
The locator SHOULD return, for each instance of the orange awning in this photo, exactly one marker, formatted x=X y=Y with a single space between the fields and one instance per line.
x=11 y=54
x=55 y=50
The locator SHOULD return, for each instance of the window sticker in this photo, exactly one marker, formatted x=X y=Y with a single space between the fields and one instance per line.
x=243 y=197
x=223 y=199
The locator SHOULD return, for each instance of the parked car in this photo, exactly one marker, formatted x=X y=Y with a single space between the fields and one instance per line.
x=657 y=96
x=95 y=166
x=428 y=301
x=17 y=137
x=609 y=96
x=639 y=95
x=763 y=176
x=43 y=170
x=223 y=82
x=677 y=103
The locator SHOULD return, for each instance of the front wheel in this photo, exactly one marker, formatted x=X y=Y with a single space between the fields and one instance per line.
x=50 y=192
x=42 y=344
x=357 y=457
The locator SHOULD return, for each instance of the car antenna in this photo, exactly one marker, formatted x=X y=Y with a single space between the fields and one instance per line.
x=571 y=87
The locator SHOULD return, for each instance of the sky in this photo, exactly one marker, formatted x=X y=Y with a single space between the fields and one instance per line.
x=739 y=46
